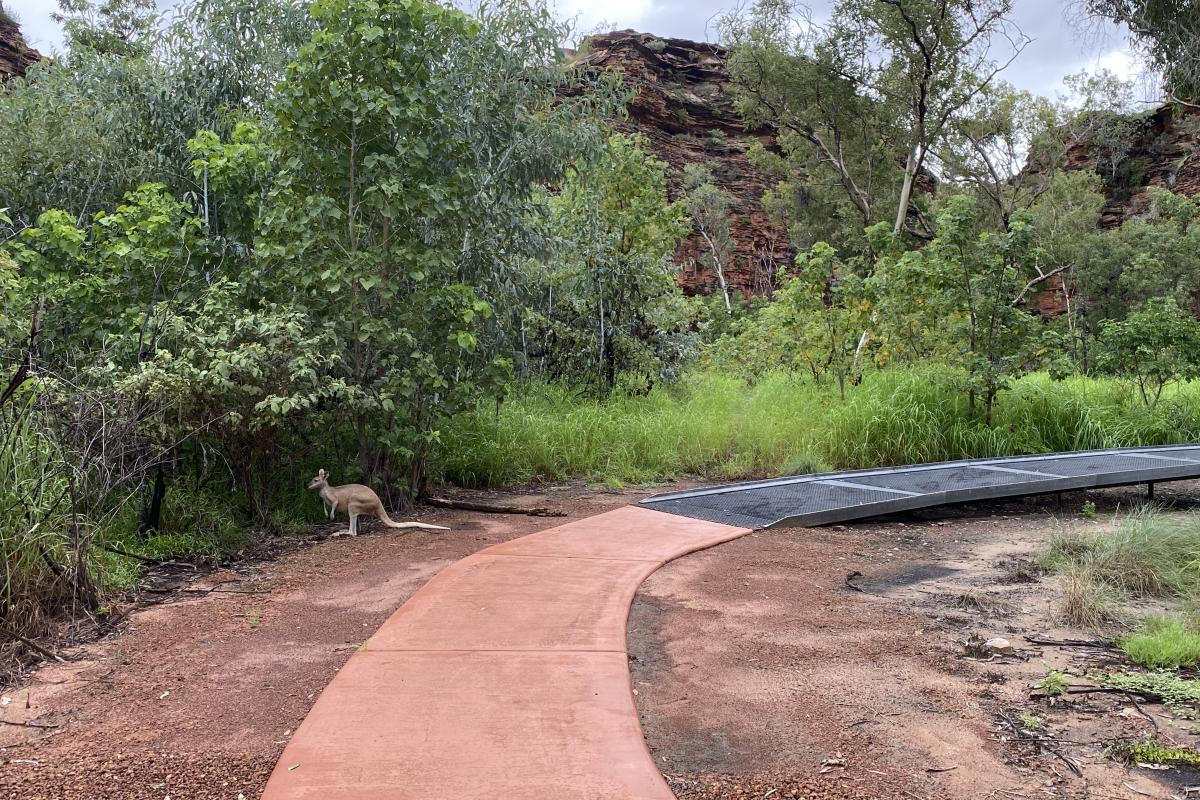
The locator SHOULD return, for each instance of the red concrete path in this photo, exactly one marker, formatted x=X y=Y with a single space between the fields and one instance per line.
x=504 y=678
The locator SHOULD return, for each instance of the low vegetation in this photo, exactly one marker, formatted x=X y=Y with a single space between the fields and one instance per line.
x=723 y=426
x=1144 y=553
x=1152 y=751
x=1181 y=694
x=1164 y=643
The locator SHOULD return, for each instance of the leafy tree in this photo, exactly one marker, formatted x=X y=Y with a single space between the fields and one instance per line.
x=824 y=307
x=865 y=101
x=84 y=129
x=1106 y=124
x=611 y=302
x=365 y=219
x=1156 y=345
x=708 y=207
x=936 y=57
x=1152 y=256
x=122 y=28
x=838 y=168
x=989 y=145
x=958 y=300
x=1167 y=32
x=1066 y=220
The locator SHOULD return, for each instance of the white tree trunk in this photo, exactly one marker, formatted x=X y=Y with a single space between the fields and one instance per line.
x=910 y=174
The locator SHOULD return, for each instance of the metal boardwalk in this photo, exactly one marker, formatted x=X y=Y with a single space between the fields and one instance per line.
x=828 y=497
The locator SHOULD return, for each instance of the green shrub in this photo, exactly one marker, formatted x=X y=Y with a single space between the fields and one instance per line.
x=1152 y=751
x=1164 y=643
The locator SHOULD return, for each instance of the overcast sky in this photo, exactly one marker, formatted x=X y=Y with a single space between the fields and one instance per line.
x=1060 y=47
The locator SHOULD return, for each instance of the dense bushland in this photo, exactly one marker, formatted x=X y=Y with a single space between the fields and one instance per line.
x=403 y=242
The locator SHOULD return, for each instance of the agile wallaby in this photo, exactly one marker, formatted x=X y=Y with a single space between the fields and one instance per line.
x=356 y=500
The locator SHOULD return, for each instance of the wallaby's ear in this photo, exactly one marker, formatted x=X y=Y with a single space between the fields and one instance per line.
x=321 y=473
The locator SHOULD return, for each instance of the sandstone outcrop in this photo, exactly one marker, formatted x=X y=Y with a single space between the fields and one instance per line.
x=15 y=55
x=683 y=107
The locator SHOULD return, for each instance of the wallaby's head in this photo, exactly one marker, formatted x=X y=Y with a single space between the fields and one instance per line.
x=319 y=481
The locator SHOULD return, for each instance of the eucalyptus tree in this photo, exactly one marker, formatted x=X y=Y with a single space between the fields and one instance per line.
x=118 y=108
x=708 y=207
x=610 y=305
x=1168 y=34
x=1006 y=146
x=837 y=170
x=524 y=116
x=930 y=59
x=865 y=101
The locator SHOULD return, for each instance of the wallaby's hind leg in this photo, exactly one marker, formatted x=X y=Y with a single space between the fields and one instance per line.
x=353 y=524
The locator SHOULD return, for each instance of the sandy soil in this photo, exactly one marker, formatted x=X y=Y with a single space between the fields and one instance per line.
x=760 y=673
x=195 y=698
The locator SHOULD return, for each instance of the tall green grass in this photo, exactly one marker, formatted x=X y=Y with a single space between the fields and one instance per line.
x=32 y=487
x=718 y=426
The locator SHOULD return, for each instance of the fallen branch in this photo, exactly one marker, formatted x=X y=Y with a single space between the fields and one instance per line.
x=119 y=551
x=1094 y=690
x=1042 y=742
x=489 y=508
x=1070 y=642
x=1139 y=709
x=34 y=646
x=27 y=724
x=226 y=591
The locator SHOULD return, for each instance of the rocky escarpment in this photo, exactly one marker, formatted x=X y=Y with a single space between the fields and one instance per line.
x=682 y=105
x=15 y=55
x=1132 y=155
x=1159 y=149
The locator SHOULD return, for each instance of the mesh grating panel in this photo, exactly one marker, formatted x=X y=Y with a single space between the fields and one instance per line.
x=1096 y=465
x=809 y=501
x=945 y=479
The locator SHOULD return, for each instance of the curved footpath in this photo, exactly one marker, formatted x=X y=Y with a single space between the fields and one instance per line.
x=504 y=678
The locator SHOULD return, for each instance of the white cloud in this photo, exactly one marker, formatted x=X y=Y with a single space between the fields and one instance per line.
x=614 y=14
x=1121 y=63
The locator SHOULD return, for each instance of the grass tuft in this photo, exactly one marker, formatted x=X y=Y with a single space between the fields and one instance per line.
x=1146 y=553
x=1164 y=643
x=1088 y=601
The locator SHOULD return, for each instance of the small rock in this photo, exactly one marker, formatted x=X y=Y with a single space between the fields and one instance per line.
x=999 y=644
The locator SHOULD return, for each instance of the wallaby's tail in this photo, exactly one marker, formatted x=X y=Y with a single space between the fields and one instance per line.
x=383 y=515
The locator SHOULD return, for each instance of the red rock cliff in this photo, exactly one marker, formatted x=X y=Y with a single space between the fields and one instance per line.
x=15 y=56
x=683 y=107
x=1163 y=151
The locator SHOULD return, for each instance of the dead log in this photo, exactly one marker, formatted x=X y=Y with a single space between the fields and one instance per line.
x=491 y=508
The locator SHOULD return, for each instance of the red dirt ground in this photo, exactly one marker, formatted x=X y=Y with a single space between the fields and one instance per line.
x=195 y=699
x=760 y=674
